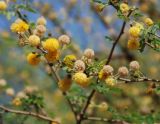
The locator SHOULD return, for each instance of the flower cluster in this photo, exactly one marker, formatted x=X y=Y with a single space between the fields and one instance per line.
x=135 y=33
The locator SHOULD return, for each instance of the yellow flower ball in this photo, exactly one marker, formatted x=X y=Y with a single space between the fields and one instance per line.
x=16 y=102
x=133 y=44
x=81 y=79
x=103 y=107
x=148 y=22
x=124 y=7
x=51 y=45
x=33 y=58
x=19 y=26
x=34 y=40
x=52 y=56
x=99 y=7
x=102 y=75
x=134 y=31
x=69 y=60
x=3 y=6
x=65 y=84
x=110 y=81
x=106 y=71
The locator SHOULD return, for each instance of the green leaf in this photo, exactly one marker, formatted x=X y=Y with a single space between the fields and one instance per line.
x=149 y=119
x=24 y=7
x=108 y=38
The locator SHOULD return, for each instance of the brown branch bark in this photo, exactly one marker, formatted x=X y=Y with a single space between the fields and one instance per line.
x=139 y=80
x=42 y=117
x=117 y=40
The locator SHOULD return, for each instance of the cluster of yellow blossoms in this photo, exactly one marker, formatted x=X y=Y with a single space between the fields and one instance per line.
x=135 y=32
x=124 y=8
x=19 y=26
x=50 y=49
x=77 y=67
x=3 y=5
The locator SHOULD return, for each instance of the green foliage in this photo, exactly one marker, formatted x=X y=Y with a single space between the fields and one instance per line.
x=33 y=100
x=105 y=89
x=23 y=7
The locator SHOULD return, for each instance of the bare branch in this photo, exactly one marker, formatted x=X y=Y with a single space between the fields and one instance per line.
x=138 y=80
x=46 y=118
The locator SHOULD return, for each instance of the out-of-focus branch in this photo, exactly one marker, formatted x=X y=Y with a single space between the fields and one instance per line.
x=117 y=39
x=57 y=78
x=105 y=120
x=139 y=80
x=42 y=117
x=125 y=51
x=107 y=62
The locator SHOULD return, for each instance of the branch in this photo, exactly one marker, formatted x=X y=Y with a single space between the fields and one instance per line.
x=138 y=80
x=117 y=40
x=104 y=120
x=129 y=56
x=108 y=60
x=46 y=118
x=56 y=76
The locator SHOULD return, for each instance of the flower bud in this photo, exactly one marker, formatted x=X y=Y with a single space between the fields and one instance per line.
x=40 y=30
x=89 y=53
x=21 y=94
x=107 y=69
x=64 y=39
x=2 y=82
x=134 y=65
x=123 y=71
x=41 y=21
x=79 y=66
x=10 y=92
x=34 y=40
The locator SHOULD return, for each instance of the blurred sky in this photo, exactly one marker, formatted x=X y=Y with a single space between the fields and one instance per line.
x=92 y=34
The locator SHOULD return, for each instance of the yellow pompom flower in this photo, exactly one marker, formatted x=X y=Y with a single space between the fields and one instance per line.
x=133 y=44
x=110 y=81
x=102 y=75
x=34 y=40
x=99 y=7
x=134 y=31
x=16 y=102
x=124 y=7
x=81 y=79
x=52 y=56
x=19 y=26
x=33 y=58
x=65 y=84
x=69 y=60
x=148 y=22
x=106 y=71
x=51 y=45
x=3 y=5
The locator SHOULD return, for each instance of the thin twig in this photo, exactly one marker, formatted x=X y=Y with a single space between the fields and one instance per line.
x=46 y=118
x=138 y=80
x=117 y=40
x=104 y=120
x=108 y=61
